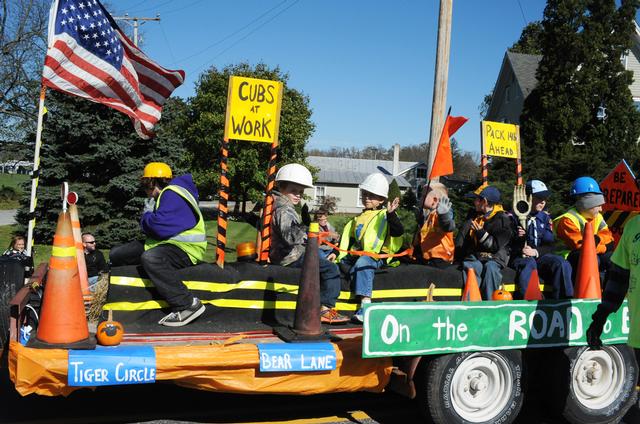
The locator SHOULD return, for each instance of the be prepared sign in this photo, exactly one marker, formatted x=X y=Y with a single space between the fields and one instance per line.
x=253 y=109
x=499 y=139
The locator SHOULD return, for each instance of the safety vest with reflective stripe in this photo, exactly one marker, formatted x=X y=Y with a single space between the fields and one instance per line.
x=375 y=236
x=192 y=241
x=579 y=221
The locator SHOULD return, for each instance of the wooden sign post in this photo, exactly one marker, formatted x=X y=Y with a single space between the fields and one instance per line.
x=253 y=114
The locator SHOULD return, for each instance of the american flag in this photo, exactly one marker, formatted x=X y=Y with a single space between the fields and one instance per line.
x=89 y=56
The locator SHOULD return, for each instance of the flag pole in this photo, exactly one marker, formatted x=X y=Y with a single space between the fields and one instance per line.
x=35 y=174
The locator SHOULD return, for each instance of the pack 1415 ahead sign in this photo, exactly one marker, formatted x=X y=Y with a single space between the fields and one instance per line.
x=404 y=329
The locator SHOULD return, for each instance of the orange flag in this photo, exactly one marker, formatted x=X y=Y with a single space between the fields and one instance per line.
x=443 y=162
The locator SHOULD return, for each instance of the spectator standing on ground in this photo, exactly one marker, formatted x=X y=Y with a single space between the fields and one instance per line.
x=175 y=239
x=16 y=250
x=93 y=258
x=483 y=242
x=321 y=216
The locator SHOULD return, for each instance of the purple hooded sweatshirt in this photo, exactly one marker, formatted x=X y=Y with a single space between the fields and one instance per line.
x=173 y=215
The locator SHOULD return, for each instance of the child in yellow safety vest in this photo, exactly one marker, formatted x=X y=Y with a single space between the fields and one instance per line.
x=433 y=243
x=375 y=230
x=569 y=227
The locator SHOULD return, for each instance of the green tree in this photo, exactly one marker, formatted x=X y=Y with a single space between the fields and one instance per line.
x=562 y=137
x=247 y=161
x=96 y=151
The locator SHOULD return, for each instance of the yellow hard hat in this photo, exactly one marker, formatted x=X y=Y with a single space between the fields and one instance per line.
x=157 y=170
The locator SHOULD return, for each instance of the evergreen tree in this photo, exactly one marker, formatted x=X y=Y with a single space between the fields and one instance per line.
x=96 y=151
x=247 y=161
x=582 y=44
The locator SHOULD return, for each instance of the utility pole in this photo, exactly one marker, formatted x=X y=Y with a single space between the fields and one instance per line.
x=441 y=79
x=136 y=23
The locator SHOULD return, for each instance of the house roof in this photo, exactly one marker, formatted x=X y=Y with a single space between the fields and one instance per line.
x=524 y=67
x=353 y=171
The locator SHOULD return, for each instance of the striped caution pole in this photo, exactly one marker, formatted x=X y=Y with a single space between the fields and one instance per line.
x=221 y=240
x=519 y=171
x=265 y=238
x=485 y=172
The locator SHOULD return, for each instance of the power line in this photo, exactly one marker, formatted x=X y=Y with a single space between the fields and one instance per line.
x=154 y=7
x=522 y=11
x=166 y=39
x=248 y=34
x=234 y=33
x=182 y=8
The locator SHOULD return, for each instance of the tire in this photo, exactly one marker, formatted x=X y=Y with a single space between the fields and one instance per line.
x=599 y=385
x=472 y=387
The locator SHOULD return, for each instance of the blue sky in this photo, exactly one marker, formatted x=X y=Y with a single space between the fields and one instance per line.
x=367 y=66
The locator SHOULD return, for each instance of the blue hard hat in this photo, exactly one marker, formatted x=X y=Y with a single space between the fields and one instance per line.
x=584 y=185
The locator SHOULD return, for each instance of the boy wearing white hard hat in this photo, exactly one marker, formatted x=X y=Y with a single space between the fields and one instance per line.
x=289 y=237
x=376 y=230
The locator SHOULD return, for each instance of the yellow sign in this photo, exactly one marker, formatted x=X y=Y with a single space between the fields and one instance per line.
x=500 y=139
x=253 y=109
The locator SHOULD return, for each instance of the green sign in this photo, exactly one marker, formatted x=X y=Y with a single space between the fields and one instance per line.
x=404 y=329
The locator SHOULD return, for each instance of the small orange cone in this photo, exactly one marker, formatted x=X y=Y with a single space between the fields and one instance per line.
x=63 y=323
x=533 y=289
x=471 y=292
x=77 y=238
x=588 y=277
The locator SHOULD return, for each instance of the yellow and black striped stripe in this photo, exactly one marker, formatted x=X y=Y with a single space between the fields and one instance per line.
x=618 y=219
x=221 y=241
x=268 y=208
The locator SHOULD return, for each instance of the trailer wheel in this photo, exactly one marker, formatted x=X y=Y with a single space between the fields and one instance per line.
x=473 y=387
x=601 y=384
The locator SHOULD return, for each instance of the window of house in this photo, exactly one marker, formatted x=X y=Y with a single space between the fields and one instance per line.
x=319 y=194
x=421 y=173
x=507 y=94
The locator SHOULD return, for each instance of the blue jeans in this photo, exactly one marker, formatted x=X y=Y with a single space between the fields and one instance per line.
x=92 y=282
x=553 y=269
x=362 y=272
x=329 y=280
x=488 y=273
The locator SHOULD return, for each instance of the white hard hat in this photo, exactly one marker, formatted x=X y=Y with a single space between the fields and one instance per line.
x=295 y=173
x=376 y=183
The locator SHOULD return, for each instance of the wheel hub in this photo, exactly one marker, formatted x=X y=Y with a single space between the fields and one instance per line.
x=597 y=377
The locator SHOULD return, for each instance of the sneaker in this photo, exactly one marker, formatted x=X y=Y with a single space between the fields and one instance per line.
x=358 y=317
x=184 y=317
x=331 y=316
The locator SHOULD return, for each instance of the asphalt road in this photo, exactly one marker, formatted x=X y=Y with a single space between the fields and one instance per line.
x=167 y=403
x=7 y=217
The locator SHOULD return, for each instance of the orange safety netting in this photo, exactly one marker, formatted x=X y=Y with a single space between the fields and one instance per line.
x=224 y=368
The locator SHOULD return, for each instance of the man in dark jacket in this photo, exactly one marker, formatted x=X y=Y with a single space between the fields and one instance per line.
x=532 y=249
x=93 y=258
x=175 y=239
x=483 y=241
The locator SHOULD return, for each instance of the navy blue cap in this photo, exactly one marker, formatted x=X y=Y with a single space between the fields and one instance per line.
x=491 y=193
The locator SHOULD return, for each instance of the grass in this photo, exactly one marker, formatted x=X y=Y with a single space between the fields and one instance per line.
x=237 y=232
x=13 y=181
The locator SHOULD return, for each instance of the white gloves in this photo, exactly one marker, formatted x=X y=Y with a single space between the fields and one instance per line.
x=444 y=205
x=149 y=205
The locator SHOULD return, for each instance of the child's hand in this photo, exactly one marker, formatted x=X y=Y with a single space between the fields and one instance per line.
x=392 y=206
x=331 y=257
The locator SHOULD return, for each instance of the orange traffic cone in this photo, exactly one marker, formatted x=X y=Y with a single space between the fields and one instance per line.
x=471 y=292
x=63 y=323
x=77 y=238
x=533 y=289
x=306 y=321
x=588 y=277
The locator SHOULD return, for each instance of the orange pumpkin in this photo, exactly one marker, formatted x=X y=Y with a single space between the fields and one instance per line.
x=501 y=294
x=110 y=333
